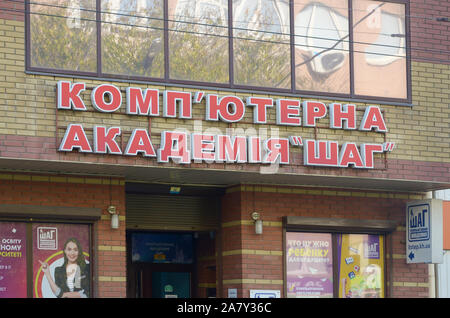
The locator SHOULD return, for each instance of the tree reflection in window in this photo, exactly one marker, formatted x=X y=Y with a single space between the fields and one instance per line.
x=261 y=43
x=198 y=40
x=63 y=35
x=133 y=37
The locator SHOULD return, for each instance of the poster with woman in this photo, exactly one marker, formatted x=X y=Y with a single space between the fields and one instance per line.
x=61 y=267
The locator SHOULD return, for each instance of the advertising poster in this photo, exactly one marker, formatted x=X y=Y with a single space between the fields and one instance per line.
x=309 y=262
x=13 y=260
x=361 y=266
x=162 y=248
x=61 y=260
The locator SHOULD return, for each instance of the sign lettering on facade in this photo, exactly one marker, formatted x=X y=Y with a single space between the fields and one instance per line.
x=424 y=241
x=184 y=148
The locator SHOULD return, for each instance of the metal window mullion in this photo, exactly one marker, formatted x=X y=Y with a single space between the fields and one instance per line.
x=292 y=44
x=27 y=35
x=350 y=49
x=166 y=40
x=98 y=18
x=230 y=44
x=408 y=52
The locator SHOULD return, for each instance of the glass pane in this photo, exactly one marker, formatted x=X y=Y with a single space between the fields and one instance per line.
x=361 y=266
x=133 y=37
x=13 y=260
x=261 y=43
x=171 y=285
x=309 y=265
x=61 y=266
x=198 y=40
x=322 y=46
x=63 y=35
x=380 y=49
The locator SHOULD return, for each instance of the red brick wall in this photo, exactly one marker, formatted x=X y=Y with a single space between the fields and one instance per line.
x=12 y=10
x=430 y=37
x=253 y=261
x=109 y=252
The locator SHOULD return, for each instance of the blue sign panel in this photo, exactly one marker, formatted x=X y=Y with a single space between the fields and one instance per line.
x=419 y=222
x=174 y=248
x=424 y=231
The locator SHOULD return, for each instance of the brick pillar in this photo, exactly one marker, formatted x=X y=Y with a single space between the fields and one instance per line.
x=249 y=261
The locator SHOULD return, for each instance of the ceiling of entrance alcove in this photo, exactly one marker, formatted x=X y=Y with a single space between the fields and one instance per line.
x=213 y=178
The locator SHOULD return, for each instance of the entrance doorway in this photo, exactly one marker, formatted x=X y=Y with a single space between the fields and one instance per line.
x=171 y=264
x=162 y=264
x=171 y=240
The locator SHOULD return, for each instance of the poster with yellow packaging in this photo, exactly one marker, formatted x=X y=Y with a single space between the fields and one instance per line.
x=361 y=266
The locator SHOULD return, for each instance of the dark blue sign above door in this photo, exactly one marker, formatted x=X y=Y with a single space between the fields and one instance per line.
x=172 y=248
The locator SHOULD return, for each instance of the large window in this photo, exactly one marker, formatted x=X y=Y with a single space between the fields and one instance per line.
x=341 y=48
x=328 y=265
x=45 y=260
x=345 y=258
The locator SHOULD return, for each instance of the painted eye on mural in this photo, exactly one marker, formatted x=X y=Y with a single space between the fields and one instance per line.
x=320 y=33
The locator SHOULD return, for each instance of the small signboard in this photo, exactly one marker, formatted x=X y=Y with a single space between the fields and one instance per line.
x=424 y=235
x=264 y=293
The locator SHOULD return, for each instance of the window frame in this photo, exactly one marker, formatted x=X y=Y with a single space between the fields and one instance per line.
x=334 y=227
x=230 y=86
x=37 y=214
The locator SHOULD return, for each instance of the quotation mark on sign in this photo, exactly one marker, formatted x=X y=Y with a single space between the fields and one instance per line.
x=198 y=97
x=296 y=140
x=388 y=146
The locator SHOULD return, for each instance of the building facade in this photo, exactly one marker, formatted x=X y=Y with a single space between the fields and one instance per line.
x=151 y=138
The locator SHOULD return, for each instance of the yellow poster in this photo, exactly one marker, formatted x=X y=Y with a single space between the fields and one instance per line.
x=361 y=266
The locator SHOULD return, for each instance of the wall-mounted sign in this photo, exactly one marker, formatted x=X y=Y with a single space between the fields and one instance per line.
x=162 y=248
x=264 y=293
x=424 y=231
x=13 y=260
x=185 y=147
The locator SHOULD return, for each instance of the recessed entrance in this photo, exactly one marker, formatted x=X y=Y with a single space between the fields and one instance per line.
x=171 y=241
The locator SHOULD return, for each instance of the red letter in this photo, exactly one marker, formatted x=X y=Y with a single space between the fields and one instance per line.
x=286 y=109
x=170 y=104
x=173 y=145
x=260 y=111
x=367 y=151
x=254 y=149
x=67 y=95
x=276 y=148
x=98 y=98
x=140 y=142
x=202 y=147
x=75 y=137
x=339 y=114
x=231 y=149
x=216 y=108
x=312 y=111
x=350 y=155
x=104 y=141
x=320 y=153
x=373 y=119
x=142 y=104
